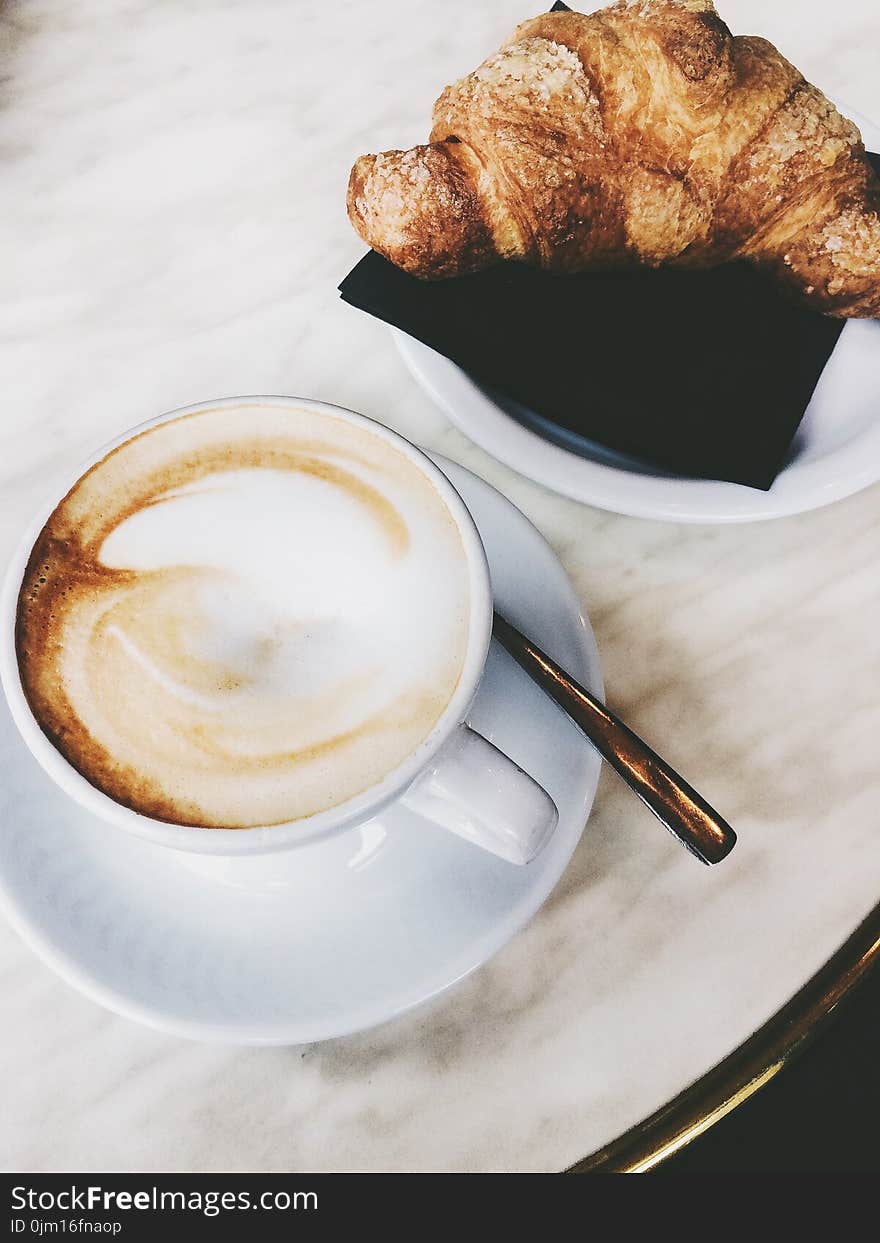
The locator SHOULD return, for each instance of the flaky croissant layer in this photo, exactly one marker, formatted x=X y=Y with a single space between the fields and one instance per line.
x=644 y=133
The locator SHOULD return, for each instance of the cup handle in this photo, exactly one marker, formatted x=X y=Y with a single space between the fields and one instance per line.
x=477 y=792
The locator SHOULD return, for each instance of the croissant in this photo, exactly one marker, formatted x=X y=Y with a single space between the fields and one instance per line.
x=644 y=133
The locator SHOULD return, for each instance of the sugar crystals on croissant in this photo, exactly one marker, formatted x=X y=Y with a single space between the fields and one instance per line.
x=645 y=134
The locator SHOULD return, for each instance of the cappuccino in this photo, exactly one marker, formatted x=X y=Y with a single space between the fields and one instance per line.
x=244 y=615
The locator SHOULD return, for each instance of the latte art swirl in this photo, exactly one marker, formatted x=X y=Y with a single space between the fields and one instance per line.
x=244 y=616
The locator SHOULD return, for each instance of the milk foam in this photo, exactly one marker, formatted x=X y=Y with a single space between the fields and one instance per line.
x=242 y=617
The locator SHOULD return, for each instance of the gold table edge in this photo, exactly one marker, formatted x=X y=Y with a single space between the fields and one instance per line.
x=752 y=1064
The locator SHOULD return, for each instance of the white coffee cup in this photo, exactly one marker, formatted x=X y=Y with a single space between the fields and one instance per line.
x=455 y=777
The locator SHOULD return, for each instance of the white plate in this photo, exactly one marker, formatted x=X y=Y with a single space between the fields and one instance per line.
x=333 y=937
x=836 y=451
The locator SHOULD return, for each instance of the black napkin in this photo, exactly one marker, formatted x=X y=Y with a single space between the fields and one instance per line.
x=704 y=374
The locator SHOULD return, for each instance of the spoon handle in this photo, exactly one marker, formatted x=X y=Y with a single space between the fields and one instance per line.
x=675 y=804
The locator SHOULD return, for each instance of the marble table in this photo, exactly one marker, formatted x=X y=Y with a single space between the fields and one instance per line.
x=173 y=230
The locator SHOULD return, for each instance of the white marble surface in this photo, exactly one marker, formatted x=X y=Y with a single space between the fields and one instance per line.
x=173 y=229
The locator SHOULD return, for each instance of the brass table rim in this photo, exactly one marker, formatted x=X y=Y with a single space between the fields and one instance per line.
x=745 y=1070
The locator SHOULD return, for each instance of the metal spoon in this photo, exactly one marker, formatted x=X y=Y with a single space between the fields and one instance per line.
x=675 y=804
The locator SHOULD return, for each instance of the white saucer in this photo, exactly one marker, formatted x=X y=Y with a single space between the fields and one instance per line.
x=836 y=451
x=333 y=937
